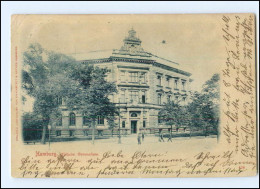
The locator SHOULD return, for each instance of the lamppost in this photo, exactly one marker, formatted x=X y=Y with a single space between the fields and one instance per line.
x=49 y=128
x=119 y=134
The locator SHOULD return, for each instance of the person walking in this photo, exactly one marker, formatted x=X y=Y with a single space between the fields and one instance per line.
x=139 y=139
x=143 y=136
x=161 y=137
x=170 y=137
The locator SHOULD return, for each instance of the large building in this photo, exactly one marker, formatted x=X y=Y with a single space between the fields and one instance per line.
x=144 y=82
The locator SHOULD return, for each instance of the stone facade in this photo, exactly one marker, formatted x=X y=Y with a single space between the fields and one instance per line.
x=144 y=84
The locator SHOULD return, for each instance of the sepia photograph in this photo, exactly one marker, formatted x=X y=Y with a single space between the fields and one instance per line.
x=133 y=96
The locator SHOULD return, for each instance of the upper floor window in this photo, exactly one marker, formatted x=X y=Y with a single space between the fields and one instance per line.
x=122 y=76
x=159 y=80
x=72 y=119
x=183 y=85
x=134 y=77
x=176 y=84
x=59 y=100
x=143 y=97
x=134 y=96
x=100 y=120
x=142 y=77
x=168 y=98
x=168 y=82
x=159 y=99
x=122 y=96
x=176 y=99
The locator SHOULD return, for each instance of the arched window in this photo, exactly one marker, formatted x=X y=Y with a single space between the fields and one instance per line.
x=72 y=119
x=100 y=120
x=59 y=120
x=134 y=115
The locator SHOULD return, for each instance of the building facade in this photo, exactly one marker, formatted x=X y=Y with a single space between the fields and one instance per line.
x=144 y=82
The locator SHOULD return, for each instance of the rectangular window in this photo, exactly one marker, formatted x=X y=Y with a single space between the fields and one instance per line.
x=134 y=77
x=143 y=97
x=159 y=80
x=159 y=100
x=184 y=100
x=175 y=84
x=168 y=98
x=134 y=96
x=86 y=121
x=100 y=120
x=59 y=100
x=142 y=77
x=168 y=82
x=59 y=121
x=144 y=124
x=122 y=97
x=183 y=85
x=122 y=76
x=123 y=124
x=58 y=133
x=85 y=133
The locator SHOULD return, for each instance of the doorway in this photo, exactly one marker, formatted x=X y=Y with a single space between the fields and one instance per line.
x=133 y=127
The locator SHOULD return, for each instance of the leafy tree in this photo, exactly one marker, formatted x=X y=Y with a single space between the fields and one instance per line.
x=32 y=126
x=172 y=114
x=204 y=106
x=91 y=93
x=201 y=112
x=82 y=87
x=45 y=80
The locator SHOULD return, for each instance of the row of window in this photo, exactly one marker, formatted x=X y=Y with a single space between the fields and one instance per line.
x=169 y=82
x=133 y=96
x=85 y=120
x=73 y=122
x=135 y=77
x=123 y=124
x=169 y=98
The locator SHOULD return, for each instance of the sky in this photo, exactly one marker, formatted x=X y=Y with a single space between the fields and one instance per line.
x=194 y=41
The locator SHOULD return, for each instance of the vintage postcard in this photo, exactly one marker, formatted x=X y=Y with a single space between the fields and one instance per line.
x=126 y=96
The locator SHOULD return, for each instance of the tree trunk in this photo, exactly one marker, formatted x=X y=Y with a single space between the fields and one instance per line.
x=93 y=132
x=218 y=130
x=44 y=128
x=190 y=131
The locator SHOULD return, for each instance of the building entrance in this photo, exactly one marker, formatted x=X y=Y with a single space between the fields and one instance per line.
x=133 y=127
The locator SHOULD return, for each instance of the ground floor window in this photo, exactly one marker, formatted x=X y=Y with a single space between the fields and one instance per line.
x=123 y=124
x=72 y=119
x=59 y=120
x=72 y=133
x=85 y=133
x=100 y=120
x=159 y=99
x=144 y=124
x=58 y=133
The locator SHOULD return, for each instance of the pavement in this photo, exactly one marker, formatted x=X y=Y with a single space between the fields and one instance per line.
x=130 y=143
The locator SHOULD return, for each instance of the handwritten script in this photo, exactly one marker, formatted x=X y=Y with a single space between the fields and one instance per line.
x=239 y=84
